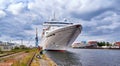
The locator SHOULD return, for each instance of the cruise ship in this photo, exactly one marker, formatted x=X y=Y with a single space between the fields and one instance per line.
x=58 y=35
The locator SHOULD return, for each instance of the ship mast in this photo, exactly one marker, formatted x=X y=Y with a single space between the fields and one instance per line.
x=54 y=17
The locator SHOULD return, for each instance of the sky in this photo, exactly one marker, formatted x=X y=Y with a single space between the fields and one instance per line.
x=100 y=19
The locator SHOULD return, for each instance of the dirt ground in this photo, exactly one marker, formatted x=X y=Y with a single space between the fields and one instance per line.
x=12 y=59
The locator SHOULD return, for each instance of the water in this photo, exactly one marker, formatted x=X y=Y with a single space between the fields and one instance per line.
x=86 y=57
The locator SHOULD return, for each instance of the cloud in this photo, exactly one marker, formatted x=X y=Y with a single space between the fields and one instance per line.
x=100 y=18
x=3 y=4
x=16 y=8
x=106 y=24
x=2 y=14
x=89 y=9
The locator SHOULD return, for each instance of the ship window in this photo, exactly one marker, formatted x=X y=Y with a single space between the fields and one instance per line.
x=56 y=23
x=51 y=35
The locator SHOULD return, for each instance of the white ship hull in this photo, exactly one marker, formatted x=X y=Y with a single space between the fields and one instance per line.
x=61 y=38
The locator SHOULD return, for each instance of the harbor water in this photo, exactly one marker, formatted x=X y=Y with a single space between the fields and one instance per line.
x=86 y=57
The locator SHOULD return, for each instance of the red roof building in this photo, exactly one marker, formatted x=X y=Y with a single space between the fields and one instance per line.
x=117 y=43
x=92 y=42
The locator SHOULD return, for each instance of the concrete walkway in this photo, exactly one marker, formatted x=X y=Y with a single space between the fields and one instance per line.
x=43 y=61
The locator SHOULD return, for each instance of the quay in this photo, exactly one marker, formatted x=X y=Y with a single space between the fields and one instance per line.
x=42 y=60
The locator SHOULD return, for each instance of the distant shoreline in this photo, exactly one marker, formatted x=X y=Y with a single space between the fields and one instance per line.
x=97 y=48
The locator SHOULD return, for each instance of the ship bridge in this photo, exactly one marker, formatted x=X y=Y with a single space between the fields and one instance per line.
x=53 y=25
x=56 y=23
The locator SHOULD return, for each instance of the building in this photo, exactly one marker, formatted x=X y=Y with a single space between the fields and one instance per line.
x=117 y=43
x=5 y=46
x=92 y=44
x=78 y=45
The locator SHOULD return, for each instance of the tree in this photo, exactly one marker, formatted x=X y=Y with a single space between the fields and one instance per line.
x=101 y=43
x=108 y=44
x=16 y=47
x=22 y=46
x=104 y=44
x=0 y=50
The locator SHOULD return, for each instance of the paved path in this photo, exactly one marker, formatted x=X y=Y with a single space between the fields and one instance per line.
x=11 y=55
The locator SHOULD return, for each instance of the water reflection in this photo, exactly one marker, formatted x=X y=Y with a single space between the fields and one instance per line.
x=64 y=58
x=86 y=57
